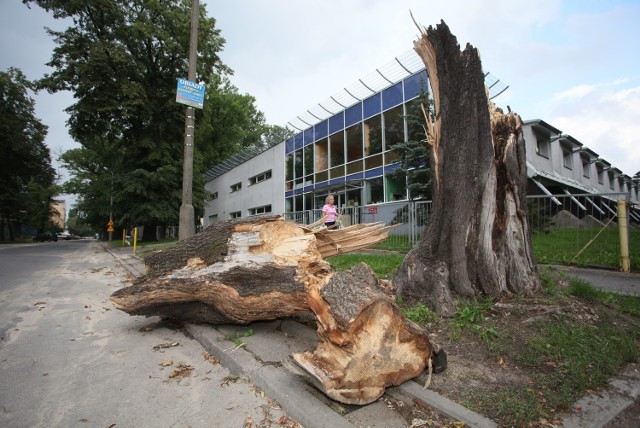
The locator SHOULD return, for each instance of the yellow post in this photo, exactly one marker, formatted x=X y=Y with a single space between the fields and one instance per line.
x=625 y=262
x=135 y=239
x=124 y=233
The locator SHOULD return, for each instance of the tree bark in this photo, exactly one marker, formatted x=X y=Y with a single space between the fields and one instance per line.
x=243 y=271
x=478 y=239
x=232 y=272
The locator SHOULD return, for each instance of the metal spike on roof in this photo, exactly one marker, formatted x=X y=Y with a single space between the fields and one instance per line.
x=381 y=78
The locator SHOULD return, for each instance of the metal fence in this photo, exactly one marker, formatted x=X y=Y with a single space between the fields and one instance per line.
x=574 y=229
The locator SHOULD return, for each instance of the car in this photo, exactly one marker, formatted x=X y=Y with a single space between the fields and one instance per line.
x=45 y=236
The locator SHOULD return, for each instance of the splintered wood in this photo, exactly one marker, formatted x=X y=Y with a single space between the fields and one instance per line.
x=267 y=268
x=243 y=271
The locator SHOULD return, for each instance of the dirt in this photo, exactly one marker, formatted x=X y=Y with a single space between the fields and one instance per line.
x=476 y=376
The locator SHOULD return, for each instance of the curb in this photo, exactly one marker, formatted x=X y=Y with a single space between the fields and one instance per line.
x=290 y=392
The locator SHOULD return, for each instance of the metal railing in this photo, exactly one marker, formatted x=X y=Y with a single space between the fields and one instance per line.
x=577 y=229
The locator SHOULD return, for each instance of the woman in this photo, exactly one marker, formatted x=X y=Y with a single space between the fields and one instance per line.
x=329 y=212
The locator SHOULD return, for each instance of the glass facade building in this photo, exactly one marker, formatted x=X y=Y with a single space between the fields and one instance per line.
x=349 y=153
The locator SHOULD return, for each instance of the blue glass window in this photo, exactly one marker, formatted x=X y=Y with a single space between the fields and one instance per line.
x=371 y=106
x=308 y=136
x=414 y=84
x=289 y=145
x=322 y=129
x=298 y=141
x=336 y=181
x=373 y=173
x=353 y=115
x=392 y=96
x=357 y=176
x=336 y=123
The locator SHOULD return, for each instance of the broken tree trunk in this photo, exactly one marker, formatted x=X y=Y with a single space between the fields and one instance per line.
x=267 y=268
x=478 y=239
x=366 y=344
x=239 y=272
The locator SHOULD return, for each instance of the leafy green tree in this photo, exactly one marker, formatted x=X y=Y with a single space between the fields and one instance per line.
x=230 y=122
x=121 y=59
x=414 y=153
x=27 y=179
x=77 y=223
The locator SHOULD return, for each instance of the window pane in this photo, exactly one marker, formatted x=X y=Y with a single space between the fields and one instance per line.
x=373 y=162
x=373 y=136
x=298 y=164
x=337 y=149
x=374 y=191
x=322 y=154
x=393 y=126
x=371 y=105
x=308 y=160
x=392 y=96
x=354 y=142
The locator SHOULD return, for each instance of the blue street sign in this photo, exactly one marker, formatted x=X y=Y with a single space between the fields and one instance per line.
x=190 y=93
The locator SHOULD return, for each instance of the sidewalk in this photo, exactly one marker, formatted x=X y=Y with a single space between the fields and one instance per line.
x=607 y=280
x=261 y=352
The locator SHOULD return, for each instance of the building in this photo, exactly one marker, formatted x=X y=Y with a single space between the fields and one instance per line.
x=343 y=147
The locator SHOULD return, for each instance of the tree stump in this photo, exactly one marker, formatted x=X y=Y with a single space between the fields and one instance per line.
x=478 y=239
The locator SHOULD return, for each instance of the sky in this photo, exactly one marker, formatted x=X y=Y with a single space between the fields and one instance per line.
x=573 y=63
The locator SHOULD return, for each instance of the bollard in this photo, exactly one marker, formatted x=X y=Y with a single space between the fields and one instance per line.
x=135 y=239
x=625 y=262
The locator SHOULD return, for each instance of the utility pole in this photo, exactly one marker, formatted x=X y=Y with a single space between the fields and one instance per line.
x=187 y=221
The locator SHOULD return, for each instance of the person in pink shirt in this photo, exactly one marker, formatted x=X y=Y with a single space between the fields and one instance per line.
x=329 y=212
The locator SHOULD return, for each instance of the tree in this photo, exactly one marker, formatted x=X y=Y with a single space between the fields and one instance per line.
x=121 y=59
x=77 y=224
x=414 y=153
x=27 y=179
x=230 y=122
x=478 y=239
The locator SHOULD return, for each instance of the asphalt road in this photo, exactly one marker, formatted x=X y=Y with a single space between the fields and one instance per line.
x=69 y=359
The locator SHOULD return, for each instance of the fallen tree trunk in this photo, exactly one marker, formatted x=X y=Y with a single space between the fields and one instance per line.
x=366 y=344
x=243 y=271
x=267 y=268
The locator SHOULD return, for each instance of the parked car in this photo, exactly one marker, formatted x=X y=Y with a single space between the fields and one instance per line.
x=45 y=236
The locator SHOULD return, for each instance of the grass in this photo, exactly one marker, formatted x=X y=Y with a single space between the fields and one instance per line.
x=564 y=356
x=236 y=337
x=384 y=265
x=563 y=245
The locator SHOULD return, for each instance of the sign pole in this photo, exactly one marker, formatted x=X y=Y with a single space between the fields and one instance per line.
x=187 y=220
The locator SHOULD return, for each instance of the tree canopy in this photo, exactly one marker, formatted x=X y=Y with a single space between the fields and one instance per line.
x=27 y=179
x=121 y=59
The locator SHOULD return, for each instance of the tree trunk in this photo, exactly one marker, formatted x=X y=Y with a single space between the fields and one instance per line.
x=267 y=268
x=478 y=239
x=239 y=272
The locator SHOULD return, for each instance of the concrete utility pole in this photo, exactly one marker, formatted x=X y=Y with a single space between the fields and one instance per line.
x=187 y=221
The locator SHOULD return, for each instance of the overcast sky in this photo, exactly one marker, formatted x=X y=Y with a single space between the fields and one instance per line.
x=572 y=63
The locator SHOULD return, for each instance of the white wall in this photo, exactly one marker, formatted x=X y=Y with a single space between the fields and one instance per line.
x=268 y=192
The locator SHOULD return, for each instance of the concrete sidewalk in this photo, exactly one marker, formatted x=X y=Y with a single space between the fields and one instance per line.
x=261 y=352
x=604 y=279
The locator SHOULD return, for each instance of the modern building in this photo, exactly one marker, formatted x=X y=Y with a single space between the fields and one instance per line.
x=343 y=147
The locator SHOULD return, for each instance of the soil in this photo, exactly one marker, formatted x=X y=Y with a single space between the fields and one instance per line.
x=476 y=376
